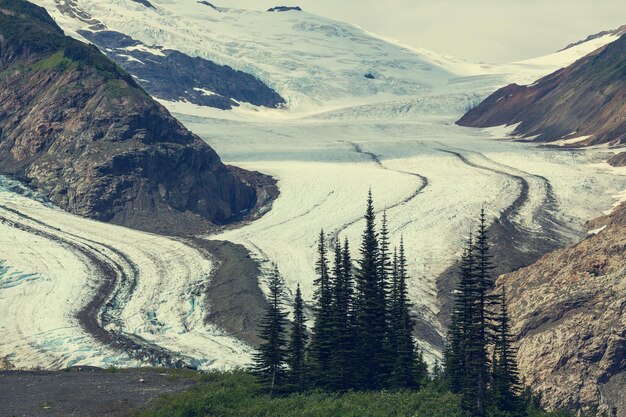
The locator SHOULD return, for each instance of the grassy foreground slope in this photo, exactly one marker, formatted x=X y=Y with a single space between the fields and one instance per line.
x=237 y=394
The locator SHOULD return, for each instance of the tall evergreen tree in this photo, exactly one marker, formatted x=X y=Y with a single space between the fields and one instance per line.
x=506 y=388
x=369 y=322
x=350 y=339
x=338 y=372
x=385 y=272
x=297 y=345
x=321 y=348
x=483 y=284
x=270 y=358
x=467 y=362
x=394 y=314
x=463 y=315
x=405 y=358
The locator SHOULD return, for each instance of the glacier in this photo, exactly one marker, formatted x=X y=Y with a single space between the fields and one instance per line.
x=339 y=135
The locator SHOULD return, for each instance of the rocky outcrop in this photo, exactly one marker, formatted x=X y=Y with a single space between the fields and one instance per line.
x=614 y=32
x=171 y=75
x=285 y=9
x=618 y=160
x=145 y=3
x=585 y=100
x=211 y=5
x=79 y=130
x=569 y=316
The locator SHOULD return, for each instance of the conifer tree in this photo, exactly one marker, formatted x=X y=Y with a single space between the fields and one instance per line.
x=467 y=363
x=338 y=371
x=453 y=364
x=349 y=335
x=321 y=348
x=394 y=314
x=297 y=345
x=483 y=284
x=369 y=324
x=463 y=315
x=405 y=358
x=270 y=358
x=506 y=388
x=420 y=369
x=438 y=371
x=385 y=271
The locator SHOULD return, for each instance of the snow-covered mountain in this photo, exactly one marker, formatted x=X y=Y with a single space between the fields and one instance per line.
x=313 y=62
x=360 y=112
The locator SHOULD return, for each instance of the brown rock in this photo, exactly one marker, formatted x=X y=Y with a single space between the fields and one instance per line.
x=569 y=316
x=618 y=160
x=588 y=98
x=84 y=134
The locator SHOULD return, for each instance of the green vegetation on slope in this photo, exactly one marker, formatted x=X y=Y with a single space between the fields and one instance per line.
x=28 y=30
x=239 y=394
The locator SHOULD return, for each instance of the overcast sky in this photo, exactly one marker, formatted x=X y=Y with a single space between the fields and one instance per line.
x=479 y=30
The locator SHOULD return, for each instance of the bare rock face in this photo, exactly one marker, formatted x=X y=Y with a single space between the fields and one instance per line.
x=586 y=99
x=84 y=134
x=569 y=316
x=618 y=160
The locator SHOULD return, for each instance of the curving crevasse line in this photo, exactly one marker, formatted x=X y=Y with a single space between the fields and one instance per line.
x=376 y=160
x=118 y=276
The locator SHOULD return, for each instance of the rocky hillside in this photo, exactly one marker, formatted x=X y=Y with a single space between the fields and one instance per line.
x=569 y=315
x=175 y=76
x=586 y=100
x=618 y=160
x=79 y=130
x=614 y=32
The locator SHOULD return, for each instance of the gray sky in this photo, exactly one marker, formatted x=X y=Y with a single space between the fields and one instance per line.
x=479 y=30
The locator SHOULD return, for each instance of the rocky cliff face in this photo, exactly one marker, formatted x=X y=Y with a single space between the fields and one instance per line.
x=618 y=160
x=569 y=315
x=586 y=99
x=84 y=134
x=175 y=76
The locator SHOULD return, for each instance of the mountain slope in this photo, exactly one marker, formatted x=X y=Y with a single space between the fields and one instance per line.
x=568 y=314
x=174 y=76
x=586 y=100
x=615 y=32
x=83 y=133
x=308 y=60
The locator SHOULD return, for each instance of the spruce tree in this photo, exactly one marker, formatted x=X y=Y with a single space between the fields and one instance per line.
x=405 y=358
x=466 y=356
x=385 y=272
x=369 y=321
x=270 y=358
x=349 y=336
x=463 y=315
x=339 y=317
x=394 y=314
x=297 y=345
x=483 y=284
x=321 y=348
x=506 y=387
x=420 y=368
x=438 y=371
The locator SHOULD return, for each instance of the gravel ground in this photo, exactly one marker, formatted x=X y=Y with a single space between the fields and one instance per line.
x=83 y=392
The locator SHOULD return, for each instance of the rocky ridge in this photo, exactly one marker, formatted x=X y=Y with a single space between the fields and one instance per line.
x=80 y=130
x=175 y=76
x=583 y=104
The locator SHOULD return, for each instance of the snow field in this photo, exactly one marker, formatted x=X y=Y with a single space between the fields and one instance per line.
x=340 y=135
x=160 y=296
